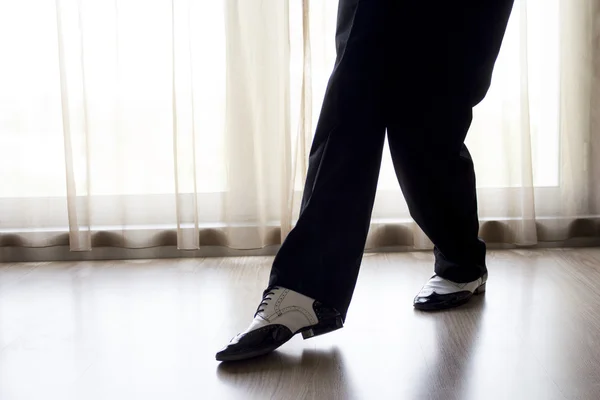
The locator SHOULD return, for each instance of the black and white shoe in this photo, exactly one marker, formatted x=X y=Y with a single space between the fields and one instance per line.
x=439 y=293
x=281 y=314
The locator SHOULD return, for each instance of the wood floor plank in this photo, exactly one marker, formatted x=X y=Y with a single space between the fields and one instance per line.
x=149 y=329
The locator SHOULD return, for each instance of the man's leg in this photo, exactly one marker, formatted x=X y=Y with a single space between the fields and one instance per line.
x=315 y=271
x=438 y=76
x=322 y=254
x=438 y=182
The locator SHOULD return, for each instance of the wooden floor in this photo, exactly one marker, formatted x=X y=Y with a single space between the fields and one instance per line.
x=149 y=330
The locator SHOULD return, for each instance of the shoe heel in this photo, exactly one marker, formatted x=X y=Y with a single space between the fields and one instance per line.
x=325 y=326
x=480 y=289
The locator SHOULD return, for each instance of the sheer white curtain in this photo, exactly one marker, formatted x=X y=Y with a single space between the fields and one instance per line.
x=145 y=123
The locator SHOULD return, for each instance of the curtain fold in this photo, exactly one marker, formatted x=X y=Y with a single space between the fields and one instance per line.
x=142 y=124
x=69 y=24
x=184 y=127
x=257 y=120
x=301 y=99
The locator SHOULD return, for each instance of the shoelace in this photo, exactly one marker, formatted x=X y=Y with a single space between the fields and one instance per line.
x=264 y=301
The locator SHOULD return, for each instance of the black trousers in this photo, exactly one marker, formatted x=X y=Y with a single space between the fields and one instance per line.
x=414 y=69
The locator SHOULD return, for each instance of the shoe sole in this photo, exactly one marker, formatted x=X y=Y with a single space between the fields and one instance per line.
x=308 y=332
x=451 y=303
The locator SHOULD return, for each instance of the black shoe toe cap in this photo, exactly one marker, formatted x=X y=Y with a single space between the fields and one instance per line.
x=441 y=301
x=256 y=343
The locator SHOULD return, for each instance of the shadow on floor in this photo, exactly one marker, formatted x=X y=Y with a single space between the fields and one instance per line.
x=313 y=374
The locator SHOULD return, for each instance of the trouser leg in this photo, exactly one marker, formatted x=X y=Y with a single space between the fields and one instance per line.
x=322 y=254
x=437 y=71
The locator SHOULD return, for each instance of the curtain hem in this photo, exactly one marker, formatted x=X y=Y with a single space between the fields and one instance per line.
x=11 y=254
x=383 y=236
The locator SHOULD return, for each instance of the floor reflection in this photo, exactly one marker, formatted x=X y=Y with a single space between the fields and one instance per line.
x=449 y=350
